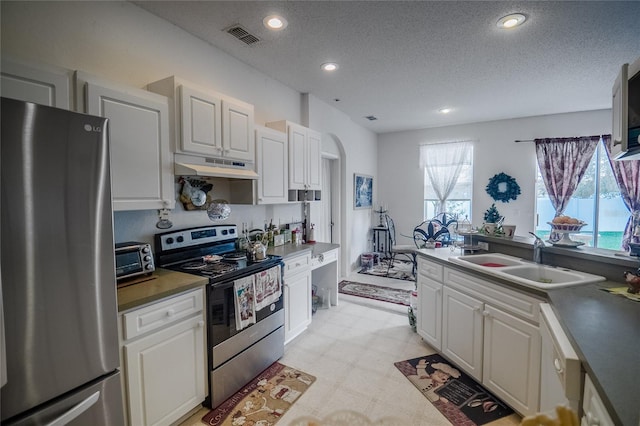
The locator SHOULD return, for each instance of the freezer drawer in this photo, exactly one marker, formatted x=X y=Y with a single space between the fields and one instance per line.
x=98 y=403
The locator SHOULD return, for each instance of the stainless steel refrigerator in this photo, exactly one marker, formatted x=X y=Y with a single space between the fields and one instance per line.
x=58 y=277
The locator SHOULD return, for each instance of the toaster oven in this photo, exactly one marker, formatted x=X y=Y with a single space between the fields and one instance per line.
x=133 y=259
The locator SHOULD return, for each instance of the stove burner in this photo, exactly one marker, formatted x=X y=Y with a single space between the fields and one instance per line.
x=235 y=255
x=193 y=266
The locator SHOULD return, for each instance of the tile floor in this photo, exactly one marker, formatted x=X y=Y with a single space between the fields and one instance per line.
x=351 y=349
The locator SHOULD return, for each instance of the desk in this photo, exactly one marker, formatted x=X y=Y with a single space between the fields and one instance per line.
x=324 y=273
x=382 y=241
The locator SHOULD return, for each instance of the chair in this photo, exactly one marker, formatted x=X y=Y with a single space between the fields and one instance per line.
x=436 y=229
x=406 y=250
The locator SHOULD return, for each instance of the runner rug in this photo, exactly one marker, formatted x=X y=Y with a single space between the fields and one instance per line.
x=457 y=396
x=376 y=292
x=264 y=400
x=400 y=270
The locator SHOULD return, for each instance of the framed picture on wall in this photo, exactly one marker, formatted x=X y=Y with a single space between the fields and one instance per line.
x=362 y=191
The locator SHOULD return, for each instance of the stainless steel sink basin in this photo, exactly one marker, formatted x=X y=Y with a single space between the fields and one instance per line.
x=524 y=272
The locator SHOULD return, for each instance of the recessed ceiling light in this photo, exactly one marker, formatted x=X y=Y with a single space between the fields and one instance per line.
x=329 y=66
x=275 y=22
x=444 y=110
x=511 y=21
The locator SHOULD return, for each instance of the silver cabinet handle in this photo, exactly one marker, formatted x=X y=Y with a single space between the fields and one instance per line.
x=76 y=410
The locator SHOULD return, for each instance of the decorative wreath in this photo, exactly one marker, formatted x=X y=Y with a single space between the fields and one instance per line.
x=503 y=187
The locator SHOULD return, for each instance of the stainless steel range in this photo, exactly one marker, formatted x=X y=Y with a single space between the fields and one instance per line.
x=245 y=315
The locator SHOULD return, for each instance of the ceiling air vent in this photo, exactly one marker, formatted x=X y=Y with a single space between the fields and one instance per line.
x=243 y=35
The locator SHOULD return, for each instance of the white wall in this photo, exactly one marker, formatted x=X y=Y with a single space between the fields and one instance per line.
x=400 y=180
x=123 y=43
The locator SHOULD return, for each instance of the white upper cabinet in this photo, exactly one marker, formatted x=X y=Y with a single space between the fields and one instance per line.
x=200 y=122
x=305 y=161
x=40 y=84
x=141 y=164
x=207 y=123
x=271 y=165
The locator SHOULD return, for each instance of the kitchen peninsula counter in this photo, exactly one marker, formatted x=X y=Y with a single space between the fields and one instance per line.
x=604 y=329
x=160 y=284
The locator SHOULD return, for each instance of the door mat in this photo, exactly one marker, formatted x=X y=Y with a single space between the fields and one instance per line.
x=456 y=395
x=400 y=270
x=264 y=400
x=376 y=292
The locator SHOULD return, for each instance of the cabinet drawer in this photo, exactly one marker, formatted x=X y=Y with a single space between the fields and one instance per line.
x=518 y=303
x=297 y=264
x=430 y=269
x=324 y=258
x=160 y=314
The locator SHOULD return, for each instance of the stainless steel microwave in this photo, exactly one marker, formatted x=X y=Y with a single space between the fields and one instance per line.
x=133 y=259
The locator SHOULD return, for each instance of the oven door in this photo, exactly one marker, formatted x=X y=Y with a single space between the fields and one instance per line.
x=225 y=339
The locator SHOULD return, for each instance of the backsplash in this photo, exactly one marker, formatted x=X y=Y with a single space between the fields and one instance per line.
x=141 y=225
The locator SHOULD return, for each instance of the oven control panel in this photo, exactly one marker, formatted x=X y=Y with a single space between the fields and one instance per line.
x=196 y=236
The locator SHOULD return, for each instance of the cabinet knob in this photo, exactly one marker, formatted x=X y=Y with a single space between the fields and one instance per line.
x=486 y=313
x=592 y=420
x=558 y=366
x=477 y=309
x=200 y=324
x=170 y=312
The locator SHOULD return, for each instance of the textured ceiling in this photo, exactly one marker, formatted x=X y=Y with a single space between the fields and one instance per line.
x=402 y=61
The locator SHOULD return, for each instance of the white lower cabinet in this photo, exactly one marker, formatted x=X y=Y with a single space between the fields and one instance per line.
x=429 y=318
x=297 y=296
x=489 y=331
x=164 y=361
x=594 y=412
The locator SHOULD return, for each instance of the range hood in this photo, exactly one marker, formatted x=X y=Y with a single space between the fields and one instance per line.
x=213 y=167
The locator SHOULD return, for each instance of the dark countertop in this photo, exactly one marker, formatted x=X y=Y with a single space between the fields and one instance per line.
x=160 y=284
x=288 y=250
x=604 y=329
x=605 y=332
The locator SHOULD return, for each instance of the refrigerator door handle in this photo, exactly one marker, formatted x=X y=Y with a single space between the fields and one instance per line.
x=74 y=412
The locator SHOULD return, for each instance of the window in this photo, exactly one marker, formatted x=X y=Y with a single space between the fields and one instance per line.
x=596 y=201
x=458 y=200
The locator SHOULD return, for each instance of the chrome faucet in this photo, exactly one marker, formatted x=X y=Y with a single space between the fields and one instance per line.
x=538 y=245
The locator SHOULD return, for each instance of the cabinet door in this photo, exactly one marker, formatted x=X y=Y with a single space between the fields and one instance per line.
x=297 y=304
x=271 y=160
x=38 y=84
x=511 y=367
x=141 y=162
x=430 y=311
x=201 y=120
x=594 y=411
x=238 y=140
x=166 y=374
x=314 y=160
x=462 y=331
x=297 y=156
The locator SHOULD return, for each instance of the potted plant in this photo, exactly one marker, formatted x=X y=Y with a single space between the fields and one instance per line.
x=492 y=219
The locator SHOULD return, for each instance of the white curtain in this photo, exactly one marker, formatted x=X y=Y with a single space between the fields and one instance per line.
x=443 y=163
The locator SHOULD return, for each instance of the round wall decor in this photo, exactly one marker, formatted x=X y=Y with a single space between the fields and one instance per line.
x=503 y=187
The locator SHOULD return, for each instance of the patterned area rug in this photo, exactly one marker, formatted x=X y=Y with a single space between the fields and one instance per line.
x=401 y=270
x=457 y=396
x=264 y=400
x=376 y=292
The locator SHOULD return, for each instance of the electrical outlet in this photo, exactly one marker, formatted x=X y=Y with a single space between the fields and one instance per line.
x=483 y=245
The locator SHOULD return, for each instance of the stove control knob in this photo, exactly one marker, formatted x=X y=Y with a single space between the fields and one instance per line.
x=147 y=258
x=146 y=249
x=169 y=240
x=148 y=267
x=232 y=231
x=224 y=232
x=180 y=239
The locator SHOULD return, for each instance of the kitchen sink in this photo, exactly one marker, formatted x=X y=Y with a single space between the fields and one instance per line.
x=524 y=272
x=493 y=260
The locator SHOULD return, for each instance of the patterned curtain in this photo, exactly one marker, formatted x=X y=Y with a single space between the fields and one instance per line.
x=627 y=174
x=443 y=163
x=563 y=162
